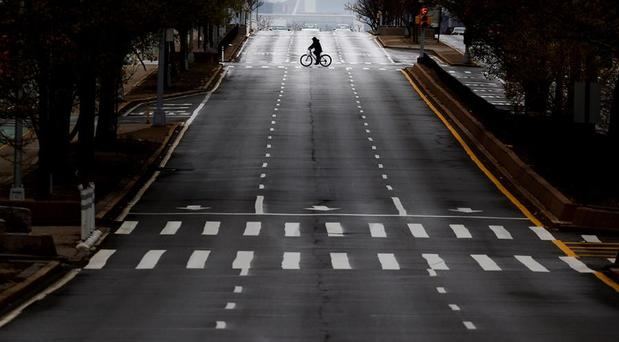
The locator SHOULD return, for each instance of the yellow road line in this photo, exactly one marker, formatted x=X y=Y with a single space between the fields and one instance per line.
x=564 y=248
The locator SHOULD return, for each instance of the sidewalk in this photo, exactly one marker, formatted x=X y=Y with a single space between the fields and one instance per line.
x=446 y=53
x=23 y=276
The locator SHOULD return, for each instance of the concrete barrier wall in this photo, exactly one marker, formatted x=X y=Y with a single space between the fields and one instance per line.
x=391 y=31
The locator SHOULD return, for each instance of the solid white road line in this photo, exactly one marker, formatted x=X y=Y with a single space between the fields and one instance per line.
x=211 y=228
x=454 y=307
x=591 y=238
x=334 y=229
x=388 y=261
x=377 y=230
x=469 y=325
x=243 y=260
x=576 y=264
x=339 y=261
x=171 y=228
x=150 y=259
x=435 y=262
x=501 y=233
x=485 y=262
x=291 y=261
x=542 y=233
x=126 y=228
x=259 y=206
x=461 y=231
x=399 y=206
x=252 y=228
x=531 y=263
x=418 y=231
x=99 y=260
x=197 y=260
x=292 y=229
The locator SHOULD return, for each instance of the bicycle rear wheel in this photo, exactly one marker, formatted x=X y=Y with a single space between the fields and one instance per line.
x=306 y=60
x=325 y=60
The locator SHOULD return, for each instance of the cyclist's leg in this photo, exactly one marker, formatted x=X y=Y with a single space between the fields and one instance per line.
x=317 y=57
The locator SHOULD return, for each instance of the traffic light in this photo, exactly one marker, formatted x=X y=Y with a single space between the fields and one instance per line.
x=423 y=19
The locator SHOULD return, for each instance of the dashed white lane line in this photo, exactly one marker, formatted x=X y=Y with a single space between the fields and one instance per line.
x=238 y=289
x=211 y=228
x=377 y=230
x=339 y=261
x=441 y=290
x=252 y=228
x=591 y=238
x=542 y=233
x=389 y=187
x=418 y=231
x=399 y=206
x=230 y=306
x=435 y=262
x=259 y=206
x=531 y=263
x=454 y=307
x=381 y=166
x=291 y=261
x=501 y=233
x=469 y=325
x=388 y=261
x=243 y=261
x=150 y=259
x=431 y=272
x=292 y=229
x=198 y=259
x=486 y=263
x=220 y=325
x=265 y=165
x=576 y=264
x=126 y=228
x=171 y=228
x=461 y=231
x=334 y=229
x=99 y=260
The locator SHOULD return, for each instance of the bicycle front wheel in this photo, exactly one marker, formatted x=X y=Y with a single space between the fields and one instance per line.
x=306 y=60
x=325 y=60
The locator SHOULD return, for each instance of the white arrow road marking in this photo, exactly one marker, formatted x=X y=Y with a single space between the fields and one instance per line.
x=388 y=261
x=127 y=228
x=461 y=231
x=435 y=262
x=150 y=259
x=197 y=260
x=339 y=261
x=418 y=231
x=291 y=261
x=531 y=263
x=321 y=208
x=99 y=260
x=576 y=264
x=211 y=228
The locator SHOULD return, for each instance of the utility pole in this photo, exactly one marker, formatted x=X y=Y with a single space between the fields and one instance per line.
x=159 y=118
x=17 y=188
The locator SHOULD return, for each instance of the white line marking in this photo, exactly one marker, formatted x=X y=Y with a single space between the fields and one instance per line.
x=334 y=229
x=197 y=260
x=531 y=263
x=441 y=290
x=377 y=230
x=576 y=264
x=252 y=228
x=238 y=289
x=399 y=206
x=265 y=165
x=150 y=259
x=263 y=175
x=389 y=187
x=230 y=306
x=99 y=260
x=259 y=206
x=469 y=325
x=612 y=260
x=418 y=231
x=243 y=261
x=542 y=233
x=292 y=229
x=261 y=186
x=381 y=166
x=501 y=233
x=291 y=261
x=591 y=238
x=220 y=325
x=494 y=218
x=460 y=231
x=385 y=177
x=485 y=262
x=171 y=228
x=126 y=228
x=339 y=261
x=454 y=307
x=431 y=272
x=388 y=261
x=435 y=262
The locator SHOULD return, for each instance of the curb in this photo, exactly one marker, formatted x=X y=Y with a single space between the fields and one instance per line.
x=15 y=295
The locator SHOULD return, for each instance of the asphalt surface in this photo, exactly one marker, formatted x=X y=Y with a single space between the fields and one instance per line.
x=323 y=204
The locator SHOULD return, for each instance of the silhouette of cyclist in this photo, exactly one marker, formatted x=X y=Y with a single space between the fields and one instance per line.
x=317 y=49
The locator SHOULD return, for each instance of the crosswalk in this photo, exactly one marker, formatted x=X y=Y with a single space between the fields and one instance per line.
x=334 y=229
x=385 y=261
x=171 y=109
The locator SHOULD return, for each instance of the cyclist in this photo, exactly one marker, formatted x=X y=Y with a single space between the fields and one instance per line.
x=317 y=49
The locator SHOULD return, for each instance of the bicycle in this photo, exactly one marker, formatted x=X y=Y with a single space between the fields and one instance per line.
x=309 y=59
